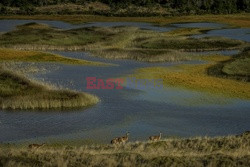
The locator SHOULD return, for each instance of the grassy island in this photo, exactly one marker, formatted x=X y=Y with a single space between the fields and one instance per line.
x=116 y=42
x=198 y=77
x=235 y=68
x=17 y=92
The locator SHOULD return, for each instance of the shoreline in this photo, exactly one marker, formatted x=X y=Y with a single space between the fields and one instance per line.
x=195 y=151
x=21 y=93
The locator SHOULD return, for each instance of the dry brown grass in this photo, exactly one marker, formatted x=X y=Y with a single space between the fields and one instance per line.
x=219 y=151
x=18 y=92
x=33 y=56
x=146 y=55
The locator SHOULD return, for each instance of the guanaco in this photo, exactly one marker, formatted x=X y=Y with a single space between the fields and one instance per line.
x=115 y=141
x=123 y=139
x=118 y=140
x=36 y=145
x=155 y=138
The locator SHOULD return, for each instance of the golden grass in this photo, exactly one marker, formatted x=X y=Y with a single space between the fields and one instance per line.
x=33 y=56
x=146 y=55
x=240 y=20
x=213 y=58
x=195 y=77
x=18 y=92
x=116 y=42
x=219 y=151
x=186 y=31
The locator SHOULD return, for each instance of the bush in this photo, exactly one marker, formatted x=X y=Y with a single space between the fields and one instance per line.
x=29 y=10
x=4 y=10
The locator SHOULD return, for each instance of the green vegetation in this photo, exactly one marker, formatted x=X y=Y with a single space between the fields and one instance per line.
x=124 y=8
x=34 y=33
x=236 y=68
x=17 y=92
x=190 y=44
x=147 y=55
x=32 y=56
x=187 y=31
x=115 y=42
x=195 y=77
x=219 y=151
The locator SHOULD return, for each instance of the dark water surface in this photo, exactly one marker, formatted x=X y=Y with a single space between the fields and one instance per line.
x=236 y=33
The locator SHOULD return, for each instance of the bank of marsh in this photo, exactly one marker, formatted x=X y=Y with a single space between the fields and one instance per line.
x=205 y=151
x=17 y=92
x=238 y=67
x=195 y=77
x=147 y=55
x=115 y=42
x=7 y=55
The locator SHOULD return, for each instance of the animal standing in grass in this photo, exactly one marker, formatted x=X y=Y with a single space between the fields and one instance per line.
x=31 y=146
x=123 y=139
x=155 y=138
x=115 y=141
x=119 y=140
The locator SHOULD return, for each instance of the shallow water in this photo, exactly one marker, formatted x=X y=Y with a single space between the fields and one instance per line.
x=142 y=110
x=237 y=33
x=221 y=52
x=200 y=25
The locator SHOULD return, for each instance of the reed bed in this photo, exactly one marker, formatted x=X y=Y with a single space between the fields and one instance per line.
x=195 y=77
x=190 y=44
x=7 y=55
x=146 y=55
x=17 y=92
x=236 y=67
x=198 y=151
x=187 y=31
x=115 y=42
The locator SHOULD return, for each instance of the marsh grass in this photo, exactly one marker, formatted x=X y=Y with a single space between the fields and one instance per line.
x=236 y=67
x=33 y=56
x=34 y=33
x=195 y=77
x=114 y=42
x=147 y=55
x=187 y=31
x=219 y=151
x=190 y=44
x=17 y=92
